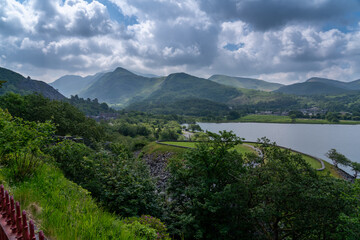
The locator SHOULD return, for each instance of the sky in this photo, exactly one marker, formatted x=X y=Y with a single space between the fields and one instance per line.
x=283 y=41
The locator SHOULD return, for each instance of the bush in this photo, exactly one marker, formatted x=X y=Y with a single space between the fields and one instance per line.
x=143 y=231
x=121 y=182
x=22 y=143
x=152 y=222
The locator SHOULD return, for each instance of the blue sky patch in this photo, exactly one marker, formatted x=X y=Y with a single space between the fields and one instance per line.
x=234 y=47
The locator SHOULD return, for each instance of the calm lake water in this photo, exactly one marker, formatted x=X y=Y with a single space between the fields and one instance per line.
x=314 y=139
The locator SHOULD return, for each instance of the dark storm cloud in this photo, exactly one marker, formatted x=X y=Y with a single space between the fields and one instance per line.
x=268 y=14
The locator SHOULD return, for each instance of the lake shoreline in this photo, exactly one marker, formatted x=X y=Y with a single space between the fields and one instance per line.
x=313 y=139
x=299 y=121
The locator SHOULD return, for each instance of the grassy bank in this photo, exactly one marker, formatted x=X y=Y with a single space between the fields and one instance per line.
x=62 y=209
x=329 y=168
x=287 y=119
x=241 y=148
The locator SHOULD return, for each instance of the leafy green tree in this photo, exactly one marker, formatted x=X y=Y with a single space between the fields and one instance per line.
x=332 y=117
x=289 y=200
x=337 y=158
x=67 y=118
x=195 y=127
x=350 y=221
x=356 y=168
x=206 y=192
x=233 y=115
x=121 y=182
x=293 y=118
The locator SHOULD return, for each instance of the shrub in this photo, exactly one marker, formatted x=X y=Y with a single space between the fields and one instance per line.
x=21 y=144
x=152 y=222
x=143 y=231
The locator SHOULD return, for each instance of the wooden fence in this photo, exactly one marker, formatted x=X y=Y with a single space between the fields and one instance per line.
x=13 y=222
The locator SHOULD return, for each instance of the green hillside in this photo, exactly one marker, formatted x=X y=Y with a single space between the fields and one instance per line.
x=72 y=84
x=121 y=87
x=249 y=83
x=184 y=94
x=187 y=106
x=18 y=84
x=320 y=86
x=182 y=85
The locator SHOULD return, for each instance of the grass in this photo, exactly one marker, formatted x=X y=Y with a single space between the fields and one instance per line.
x=241 y=148
x=64 y=210
x=329 y=168
x=287 y=119
x=154 y=147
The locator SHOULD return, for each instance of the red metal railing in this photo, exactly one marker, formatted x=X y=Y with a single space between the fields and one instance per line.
x=13 y=223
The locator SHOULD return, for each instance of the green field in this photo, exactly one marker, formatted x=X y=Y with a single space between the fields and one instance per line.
x=287 y=119
x=241 y=148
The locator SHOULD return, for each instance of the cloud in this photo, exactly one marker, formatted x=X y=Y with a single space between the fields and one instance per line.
x=282 y=41
x=264 y=15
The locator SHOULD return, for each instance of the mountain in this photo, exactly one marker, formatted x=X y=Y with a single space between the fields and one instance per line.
x=249 y=83
x=181 y=93
x=148 y=75
x=320 y=86
x=121 y=87
x=73 y=84
x=19 y=84
x=187 y=106
x=182 y=85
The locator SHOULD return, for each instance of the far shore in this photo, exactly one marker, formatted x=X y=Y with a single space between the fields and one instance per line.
x=254 y=118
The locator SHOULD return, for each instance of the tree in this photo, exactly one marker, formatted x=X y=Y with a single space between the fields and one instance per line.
x=195 y=127
x=356 y=168
x=289 y=200
x=1 y=83
x=337 y=158
x=206 y=191
x=293 y=118
x=332 y=117
x=233 y=115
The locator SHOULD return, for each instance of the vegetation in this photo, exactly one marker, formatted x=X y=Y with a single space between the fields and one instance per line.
x=219 y=194
x=288 y=119
x=71 y=85
x=248 y=83
x=61 y=208
x=90 y=107
x=68 y=119
x=337 y=158
x=318 y=86
x=14 y=82
x=119 y=181
x=217 y=190
x=240 y=147
x=120 y=88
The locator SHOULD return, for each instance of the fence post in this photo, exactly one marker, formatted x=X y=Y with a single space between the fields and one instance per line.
x=13 y=218
x=25 y=227
x=13 y=222
x=32 y=231
x=18 y=221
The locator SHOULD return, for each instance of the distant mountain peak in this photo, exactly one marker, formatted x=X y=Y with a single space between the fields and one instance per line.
x=178 y=74
x=123 y=70
x=319 y=79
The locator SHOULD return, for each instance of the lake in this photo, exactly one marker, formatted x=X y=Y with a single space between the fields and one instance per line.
x=314 y=139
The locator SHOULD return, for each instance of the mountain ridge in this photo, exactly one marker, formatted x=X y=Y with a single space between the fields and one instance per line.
x=248 y=83
x=320 y=86
x=17 y=83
